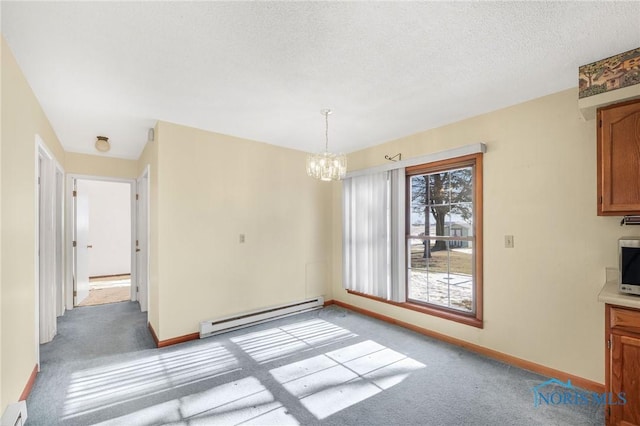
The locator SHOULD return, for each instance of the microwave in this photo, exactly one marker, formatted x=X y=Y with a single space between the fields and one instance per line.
x=629 y=266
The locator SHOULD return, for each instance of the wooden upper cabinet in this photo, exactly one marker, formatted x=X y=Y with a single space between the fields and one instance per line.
x=619 y=159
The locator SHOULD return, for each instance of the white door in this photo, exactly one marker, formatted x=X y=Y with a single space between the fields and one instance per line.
x=47 y=262
x=142 y=245
x=82 y=247
x=46 y=315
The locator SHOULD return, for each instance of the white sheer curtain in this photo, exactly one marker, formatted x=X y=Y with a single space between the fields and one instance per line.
x=373 y=225
x=373 y=254
x=398 y=230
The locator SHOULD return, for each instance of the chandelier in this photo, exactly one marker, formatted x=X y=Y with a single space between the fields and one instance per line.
x=326 y=166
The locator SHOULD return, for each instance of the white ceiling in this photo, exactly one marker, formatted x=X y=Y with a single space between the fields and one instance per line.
x=264 y=70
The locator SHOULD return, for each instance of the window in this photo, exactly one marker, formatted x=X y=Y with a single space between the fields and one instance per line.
x=412 y=237
x=443 y=245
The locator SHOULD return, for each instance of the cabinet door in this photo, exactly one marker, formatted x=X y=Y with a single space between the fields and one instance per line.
x=619 y=159
x=625 y=377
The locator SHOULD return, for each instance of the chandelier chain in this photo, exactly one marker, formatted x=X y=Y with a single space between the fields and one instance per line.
x=326 y=131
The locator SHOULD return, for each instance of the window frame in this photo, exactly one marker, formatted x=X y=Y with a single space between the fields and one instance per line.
x=474 y=159
x=474 y=318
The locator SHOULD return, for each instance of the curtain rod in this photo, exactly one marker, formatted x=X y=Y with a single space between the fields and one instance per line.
x=473 y=148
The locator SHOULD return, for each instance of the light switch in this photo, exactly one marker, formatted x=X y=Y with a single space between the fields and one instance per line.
x=508 y=241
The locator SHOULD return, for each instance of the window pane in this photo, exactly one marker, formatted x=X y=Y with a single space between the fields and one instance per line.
x=448 y=278
x=418 y=207
x=438 y=189
x=461 y=275
x=417 y=225
x=439 y=220
x=418 y=277
x=461 y=220
x=418 y=189
x=418 y=254
x=462 y=185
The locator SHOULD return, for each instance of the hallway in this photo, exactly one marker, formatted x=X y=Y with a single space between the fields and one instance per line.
x=87 y=337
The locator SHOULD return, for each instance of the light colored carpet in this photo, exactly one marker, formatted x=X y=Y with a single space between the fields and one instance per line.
x=330 y=367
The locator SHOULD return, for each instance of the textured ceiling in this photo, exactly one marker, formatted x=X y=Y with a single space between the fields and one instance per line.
x=264 y=70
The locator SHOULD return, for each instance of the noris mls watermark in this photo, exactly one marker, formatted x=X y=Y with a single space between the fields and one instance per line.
x=556 y=392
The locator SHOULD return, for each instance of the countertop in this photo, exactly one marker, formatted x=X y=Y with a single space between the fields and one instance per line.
x=610 y=294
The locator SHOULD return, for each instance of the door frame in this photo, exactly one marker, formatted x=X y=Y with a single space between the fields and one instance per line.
x=48 y=260
x=70 y=229
x=60 y=235
x=142 y=234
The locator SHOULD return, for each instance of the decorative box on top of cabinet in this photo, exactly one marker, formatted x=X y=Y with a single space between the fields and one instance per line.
x=619 y=159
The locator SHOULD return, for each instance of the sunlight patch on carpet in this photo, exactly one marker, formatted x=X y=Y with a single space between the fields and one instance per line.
x=329 y=383
x=245 y=401
x=276 y=343
x=102 y=387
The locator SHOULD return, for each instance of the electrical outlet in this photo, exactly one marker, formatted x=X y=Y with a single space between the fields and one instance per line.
x=241 y=239
x=508 y=241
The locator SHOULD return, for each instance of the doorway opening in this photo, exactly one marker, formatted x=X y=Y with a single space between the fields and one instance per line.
x=103 y=229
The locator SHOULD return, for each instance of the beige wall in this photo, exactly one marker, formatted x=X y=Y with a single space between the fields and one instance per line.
x=22 y=119
x=212 y=188
x=540 y=298
x=95 y=165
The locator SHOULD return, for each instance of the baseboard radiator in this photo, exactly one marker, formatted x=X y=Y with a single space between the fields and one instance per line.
x=223 y=325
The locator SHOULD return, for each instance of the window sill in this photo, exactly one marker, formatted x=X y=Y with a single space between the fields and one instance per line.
x=444 y=313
